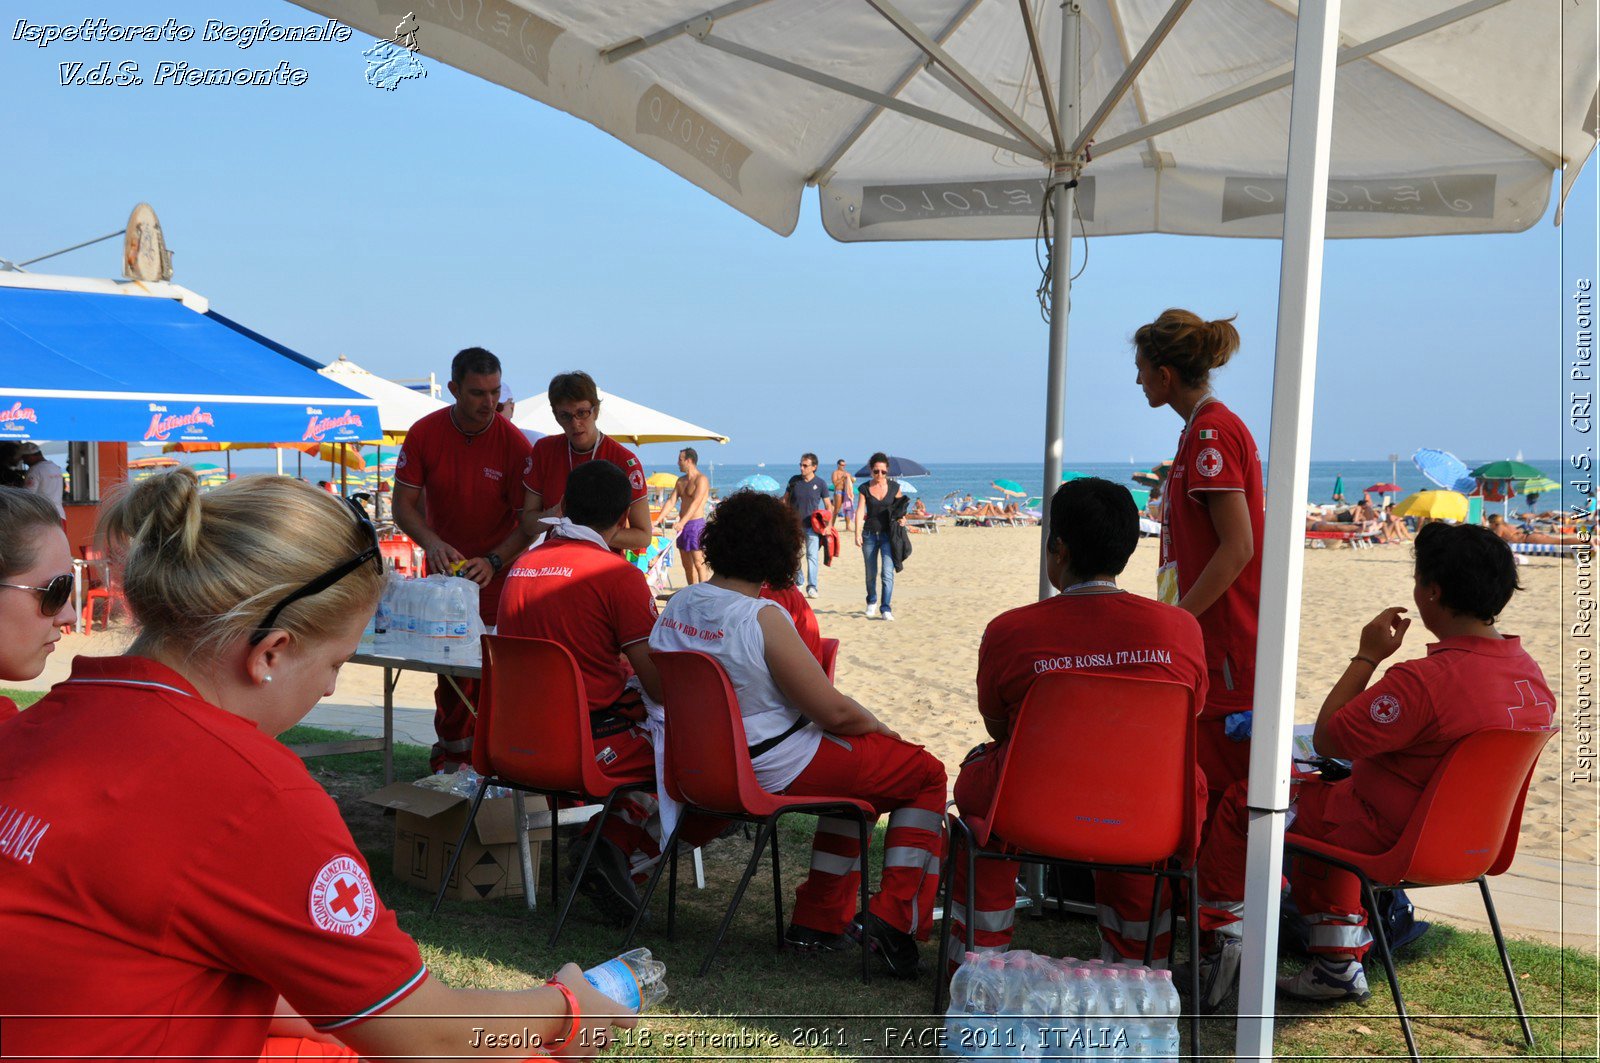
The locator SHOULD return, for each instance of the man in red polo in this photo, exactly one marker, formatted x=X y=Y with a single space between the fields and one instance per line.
x=575 y=401
x=458 y=493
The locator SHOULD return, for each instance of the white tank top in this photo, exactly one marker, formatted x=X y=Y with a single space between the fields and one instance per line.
x=723 y=624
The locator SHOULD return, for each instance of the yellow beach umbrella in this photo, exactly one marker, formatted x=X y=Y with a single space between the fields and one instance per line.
x=1436 y=505
x=662 y=479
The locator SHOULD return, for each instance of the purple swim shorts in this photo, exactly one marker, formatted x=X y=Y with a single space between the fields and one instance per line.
x=690 y=534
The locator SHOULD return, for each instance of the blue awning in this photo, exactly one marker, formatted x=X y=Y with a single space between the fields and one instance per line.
x=126 y=368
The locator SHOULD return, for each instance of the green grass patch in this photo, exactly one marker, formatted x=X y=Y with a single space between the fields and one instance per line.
x=760 y=1001
x=23 y=698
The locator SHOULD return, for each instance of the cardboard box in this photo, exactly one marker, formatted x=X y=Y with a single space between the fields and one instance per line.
x=428 y=822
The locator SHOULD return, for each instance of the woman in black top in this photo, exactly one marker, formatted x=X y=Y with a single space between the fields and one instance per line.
x=873 y=523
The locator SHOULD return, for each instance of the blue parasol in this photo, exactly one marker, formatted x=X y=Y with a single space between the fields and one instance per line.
x=1445 y=469
x=898 y=468
x=758 y=482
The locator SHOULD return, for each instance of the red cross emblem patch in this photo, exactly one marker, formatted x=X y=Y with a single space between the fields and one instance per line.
x=342 y=898
x=1209 y=463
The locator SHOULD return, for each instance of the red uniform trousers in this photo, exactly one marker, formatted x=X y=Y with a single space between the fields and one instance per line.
x=1328 y=898
x=1222 y=760
x=453 y=723
x=896 y=777
x=634 y=825
x=1123 y=900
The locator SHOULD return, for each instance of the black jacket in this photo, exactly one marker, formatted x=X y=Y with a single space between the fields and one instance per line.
x=899 y=538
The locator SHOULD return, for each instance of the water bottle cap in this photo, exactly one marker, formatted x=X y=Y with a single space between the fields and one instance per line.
x=1161 y=976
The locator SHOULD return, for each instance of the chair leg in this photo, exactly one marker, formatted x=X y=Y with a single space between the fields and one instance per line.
x=455 y=857
x=1150 y=924
x=1505 y=960
x=583 y=865
x=1381 y=935
x=777 y=884
x=1191 y=880
x=865 y=827
x=672 y=894
x=555 y=853
x=650 y=889
x=941 y=977
x=738 y=894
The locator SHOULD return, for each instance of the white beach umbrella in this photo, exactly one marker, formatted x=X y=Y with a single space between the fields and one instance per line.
x=398 y=406
x=621 y=419
x=984 y=119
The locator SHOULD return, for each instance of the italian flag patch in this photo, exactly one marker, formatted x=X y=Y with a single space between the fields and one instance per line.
x=1208 y=433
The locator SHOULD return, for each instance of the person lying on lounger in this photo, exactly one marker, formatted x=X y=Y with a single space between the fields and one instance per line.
x=1513 y=534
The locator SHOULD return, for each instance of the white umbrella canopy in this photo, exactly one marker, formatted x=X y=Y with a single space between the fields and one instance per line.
x=926 y=119
x=621 y=419
x=398 y=407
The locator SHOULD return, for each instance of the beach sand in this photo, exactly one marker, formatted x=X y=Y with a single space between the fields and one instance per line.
x=917 y=673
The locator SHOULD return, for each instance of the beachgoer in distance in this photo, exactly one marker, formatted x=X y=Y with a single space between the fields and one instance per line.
x=247 y=600
x=575 y=402
x=808 y=494
x=844 y=488
x=1395 y=731
x=874 y=517
x=35 y=586
x=918 y=509
x=1394 y=527
x=812 y=738
x=457 y=495
x=1504 y=529
x=12 y=472
x=689 y=494
x=44 y=477
x=1213 y=515
x=574 y=590
x=1094 y=529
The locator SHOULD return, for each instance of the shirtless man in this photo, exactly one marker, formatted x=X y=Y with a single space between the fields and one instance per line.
x=844 y=486
x=1513 y=534
x=689 y=494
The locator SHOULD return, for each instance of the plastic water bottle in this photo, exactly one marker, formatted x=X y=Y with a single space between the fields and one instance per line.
x=1047 y=1010
x=1166 y=1045
x=407 y=623
x=1083 y=1009
x=634 y=980
x=383 y=616
x=956 y=1038
x=1016 y=1034
x=976 y=994
x=457 y=617
x=435 y=591
x=1143 y=1012
x=1115 y=1038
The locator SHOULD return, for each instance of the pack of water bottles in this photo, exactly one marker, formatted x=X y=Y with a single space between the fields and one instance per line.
x=432 y=619
x=1019 y=1005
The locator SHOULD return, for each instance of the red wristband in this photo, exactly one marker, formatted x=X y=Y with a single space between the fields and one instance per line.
x=577 y=1015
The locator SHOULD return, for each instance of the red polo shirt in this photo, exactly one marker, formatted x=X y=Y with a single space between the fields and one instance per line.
x=8 y=709
x=799 y=610
x=1215 y=453
x=1397 y=730
x=471 y=486
x=586 y=598
x=1117 y=634
x=554 y=459
x=162 y=903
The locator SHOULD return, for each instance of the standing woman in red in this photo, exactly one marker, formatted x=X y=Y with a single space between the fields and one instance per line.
x=173 y=883
x=35 y=586
x=1211 y=526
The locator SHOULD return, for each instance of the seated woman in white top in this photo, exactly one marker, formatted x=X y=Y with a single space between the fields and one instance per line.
x=809 y=738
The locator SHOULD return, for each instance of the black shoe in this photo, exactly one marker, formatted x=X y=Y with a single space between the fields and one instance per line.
x=608 y=882
x=804 y=939
x=897 y=948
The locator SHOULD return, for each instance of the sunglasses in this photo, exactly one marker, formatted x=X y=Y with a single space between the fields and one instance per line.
x=880 y=472
x=567 y=417
x=52 y=596
x=328 y=578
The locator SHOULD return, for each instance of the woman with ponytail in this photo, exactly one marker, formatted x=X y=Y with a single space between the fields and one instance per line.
x=185 y=887
x=1212 y=520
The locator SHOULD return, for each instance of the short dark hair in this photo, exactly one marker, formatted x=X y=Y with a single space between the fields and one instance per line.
x=597 y=494
x=472 y=360
x=754 y=536
x=576 y=386
x=691 y=454
x=877 y=456
x=1474 y=568
x=808 y=456
x=1099 y=523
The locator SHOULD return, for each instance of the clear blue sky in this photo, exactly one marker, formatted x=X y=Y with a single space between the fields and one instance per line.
x=397 y=227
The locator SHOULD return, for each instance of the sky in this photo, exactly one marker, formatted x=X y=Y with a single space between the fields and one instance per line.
x=398 y=227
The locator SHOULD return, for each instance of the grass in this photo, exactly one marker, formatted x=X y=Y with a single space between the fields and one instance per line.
x=23 y=698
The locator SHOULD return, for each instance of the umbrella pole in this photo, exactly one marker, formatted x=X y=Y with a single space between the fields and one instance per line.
x=1062 y=193
x=278 y=453
x=344 y=470
x=1294 y=378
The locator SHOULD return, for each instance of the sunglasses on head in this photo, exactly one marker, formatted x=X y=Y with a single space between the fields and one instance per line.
x=52 y=596
x=328 y=578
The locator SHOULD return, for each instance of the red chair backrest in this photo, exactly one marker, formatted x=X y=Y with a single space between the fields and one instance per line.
x=1100 y=768
x=1467 y=820
x=830 y=656
x=533 y=717
x=708 y=756
x=401 y=552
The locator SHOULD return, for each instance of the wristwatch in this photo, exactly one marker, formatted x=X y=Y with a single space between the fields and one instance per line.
x=494 y=561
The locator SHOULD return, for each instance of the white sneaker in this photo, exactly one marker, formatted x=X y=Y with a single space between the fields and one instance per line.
x=1325 y=980
x=872 y=611
x=887 y=615
x=811 y=592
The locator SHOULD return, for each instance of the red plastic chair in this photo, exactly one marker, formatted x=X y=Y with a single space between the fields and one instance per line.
x=830 y=656
x=532 y=735
x=1113 y=759
x=709 y=770
x=408 y=560
x=101 y=586
x=1464 y=828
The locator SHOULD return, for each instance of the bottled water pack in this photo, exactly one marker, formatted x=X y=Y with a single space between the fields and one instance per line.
x=432 y=619
x=1018 y=1005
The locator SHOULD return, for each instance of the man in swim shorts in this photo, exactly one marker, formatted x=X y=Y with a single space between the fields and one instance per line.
x=689 y=495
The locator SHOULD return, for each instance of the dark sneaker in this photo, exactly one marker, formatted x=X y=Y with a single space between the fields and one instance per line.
x=897 y=948
x=608 y=882
x=1326 y=981
x=1219 y=973
x=805 y=939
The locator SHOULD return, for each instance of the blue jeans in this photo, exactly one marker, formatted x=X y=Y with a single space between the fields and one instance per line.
x=810 y=572
x=875 y=548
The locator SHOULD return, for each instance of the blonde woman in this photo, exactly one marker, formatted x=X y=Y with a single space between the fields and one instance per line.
x=192 y=886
